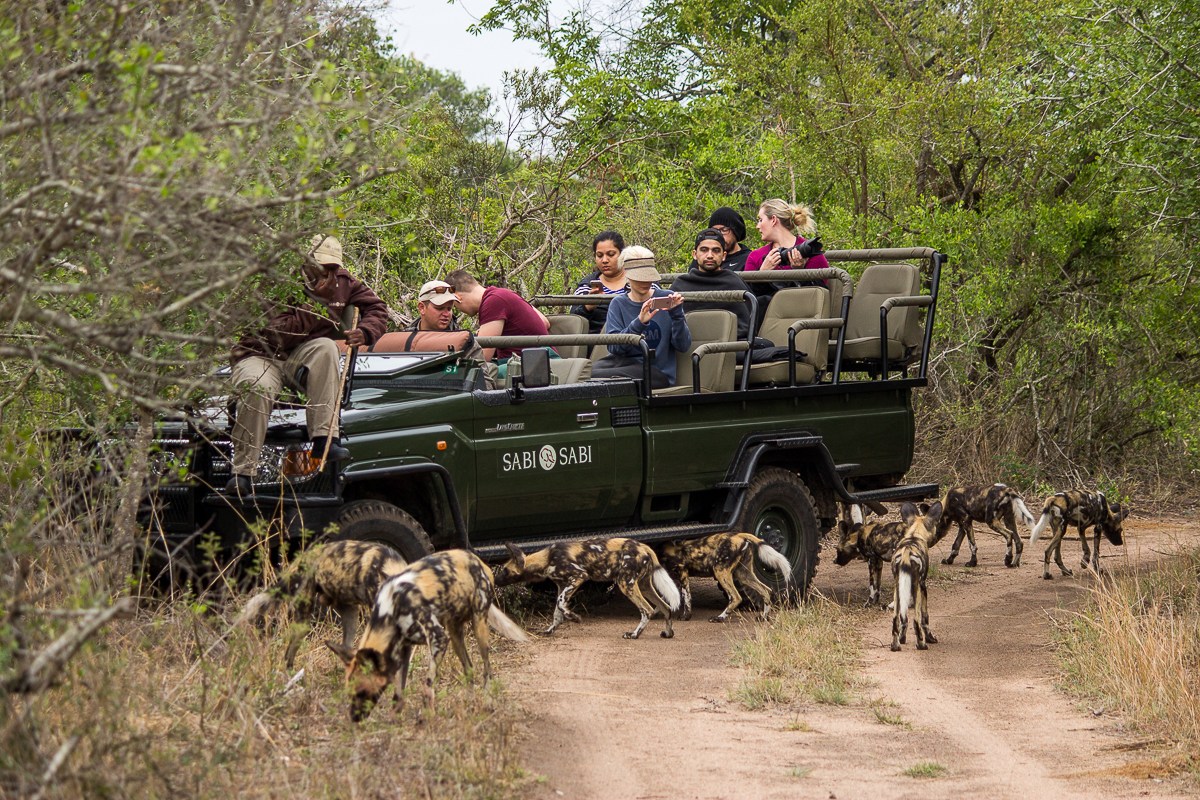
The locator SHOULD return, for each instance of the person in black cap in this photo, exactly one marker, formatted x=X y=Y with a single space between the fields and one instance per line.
x=733 y=228
x=708 y=274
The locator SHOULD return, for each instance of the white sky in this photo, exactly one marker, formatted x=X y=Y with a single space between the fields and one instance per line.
x=435 y=32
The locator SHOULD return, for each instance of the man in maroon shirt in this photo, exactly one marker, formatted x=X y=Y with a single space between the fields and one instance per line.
x=501 y=312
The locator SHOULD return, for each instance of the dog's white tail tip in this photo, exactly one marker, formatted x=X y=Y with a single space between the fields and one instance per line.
x=666 y=588
x=505 y=626
x=256 y=606
x=904 y=594
x=1037 y=529
x=775 y=561
x=1023 y=510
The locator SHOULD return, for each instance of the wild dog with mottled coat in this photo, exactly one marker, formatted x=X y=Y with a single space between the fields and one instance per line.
x=987 y=504
x=432 y=602
x=910 y=568
x=728 y=557
x=873 y=542
x=629 y=564
x=342 y=575
x=1083 y=509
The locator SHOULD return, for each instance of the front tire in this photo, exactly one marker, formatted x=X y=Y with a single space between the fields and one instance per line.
x=377 y=521
x=779 y=509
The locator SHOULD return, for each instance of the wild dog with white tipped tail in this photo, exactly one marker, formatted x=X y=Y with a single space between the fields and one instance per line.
x=873 y=542
x=986 y=504
x=342 y=575
x=728 y=557
x=1083 y=509
x=631 y=565
x=432 y=602
x=910 y=568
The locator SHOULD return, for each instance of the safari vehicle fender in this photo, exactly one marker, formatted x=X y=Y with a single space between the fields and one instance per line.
x=424 y=489
x=801 y=452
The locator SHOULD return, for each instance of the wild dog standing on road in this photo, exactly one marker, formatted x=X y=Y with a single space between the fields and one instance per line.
x=631 y=565
x=1083 y=509
x=728 y=557
x=910 y=568
x=430 y=603
x=342 y=575
x=873 y=542
x=986 y=504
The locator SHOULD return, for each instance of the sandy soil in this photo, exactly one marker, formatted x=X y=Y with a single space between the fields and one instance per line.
x=652 y=718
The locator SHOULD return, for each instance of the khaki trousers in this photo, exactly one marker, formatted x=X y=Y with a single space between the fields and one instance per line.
x=257 y=381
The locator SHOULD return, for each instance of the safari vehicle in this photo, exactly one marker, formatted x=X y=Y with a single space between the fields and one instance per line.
x=443 y=456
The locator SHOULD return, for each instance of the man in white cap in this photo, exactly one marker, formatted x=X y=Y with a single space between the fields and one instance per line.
x=435 y=308
x=299 y=338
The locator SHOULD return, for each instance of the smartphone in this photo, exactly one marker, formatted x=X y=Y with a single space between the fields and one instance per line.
x=660 y=302
x=596 y=284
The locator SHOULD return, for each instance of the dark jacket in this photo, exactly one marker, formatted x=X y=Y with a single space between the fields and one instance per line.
x=293 y=325
x=697 y=280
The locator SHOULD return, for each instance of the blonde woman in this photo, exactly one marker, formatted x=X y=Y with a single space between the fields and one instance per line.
x=780 y=224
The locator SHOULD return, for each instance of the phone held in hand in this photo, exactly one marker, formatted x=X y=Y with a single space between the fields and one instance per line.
x=661 y=302
x=596 y=284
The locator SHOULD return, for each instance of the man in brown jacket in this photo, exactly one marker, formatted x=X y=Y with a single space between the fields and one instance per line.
x=301 y=336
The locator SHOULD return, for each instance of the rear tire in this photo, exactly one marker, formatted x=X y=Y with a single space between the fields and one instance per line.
x=377 y=521
x=779 y=510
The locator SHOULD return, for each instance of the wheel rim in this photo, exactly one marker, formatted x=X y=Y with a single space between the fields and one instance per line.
x=777 y=528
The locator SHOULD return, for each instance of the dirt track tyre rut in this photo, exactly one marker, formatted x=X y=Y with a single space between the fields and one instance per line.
x=780 y=510
x=377 y=521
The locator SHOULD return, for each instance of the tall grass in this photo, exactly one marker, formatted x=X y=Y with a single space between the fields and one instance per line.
x=1135 y=647
x=159 y=706
x=810 y=652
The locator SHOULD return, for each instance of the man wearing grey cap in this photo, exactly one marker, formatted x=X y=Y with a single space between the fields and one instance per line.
x=435 y=308
x=298 y=338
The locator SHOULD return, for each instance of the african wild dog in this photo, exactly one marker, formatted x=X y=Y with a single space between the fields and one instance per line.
x=910 y=569
x=986 y=504
x=1083 y=509
x=873 y=542
x=431 y=603
x=728 y=557
x=631 y=565
x=342 y=575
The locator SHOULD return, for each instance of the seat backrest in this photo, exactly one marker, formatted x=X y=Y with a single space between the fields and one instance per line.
x=422 y=341
x=789 y=305
x=716 y=369
x=878 y=283
x=569 y=324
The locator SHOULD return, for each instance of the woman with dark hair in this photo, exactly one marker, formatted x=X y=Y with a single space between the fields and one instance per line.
x=607 y=278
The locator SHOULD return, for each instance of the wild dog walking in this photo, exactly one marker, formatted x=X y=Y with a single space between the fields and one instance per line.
x=728 y=557
x=342 y=575
x=629 y=564
x=910 y=568
x=873 y=542
x=1083 y=509
x=432 y=602
x=986 y=504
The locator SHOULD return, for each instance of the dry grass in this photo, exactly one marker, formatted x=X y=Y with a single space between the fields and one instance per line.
x=159 y=707
x=808 y=652
x=1135 y=647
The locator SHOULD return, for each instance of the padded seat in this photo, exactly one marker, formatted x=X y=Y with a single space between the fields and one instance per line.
x=569 y=324
x=423 y=342
x=878 y=283
x=711 y=326
x=570 y=370
x=787 y=307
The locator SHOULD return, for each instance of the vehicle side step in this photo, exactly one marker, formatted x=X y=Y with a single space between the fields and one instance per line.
x=892 y=494
x=496 y=551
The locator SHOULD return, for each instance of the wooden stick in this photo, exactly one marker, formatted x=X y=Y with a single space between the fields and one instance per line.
x=351 y=354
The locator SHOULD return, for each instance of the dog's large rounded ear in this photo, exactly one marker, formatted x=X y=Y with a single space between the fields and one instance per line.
x=341 y=651
x=517 y=556
x=934 y=513
x=908 y=513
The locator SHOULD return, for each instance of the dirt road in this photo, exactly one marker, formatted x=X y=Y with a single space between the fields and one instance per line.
x=652 y=718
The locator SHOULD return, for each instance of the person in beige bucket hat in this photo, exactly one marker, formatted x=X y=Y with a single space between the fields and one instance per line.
x=297 y=339
x=649 y=311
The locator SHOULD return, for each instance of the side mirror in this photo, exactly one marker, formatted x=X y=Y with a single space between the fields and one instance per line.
x=535 y=367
